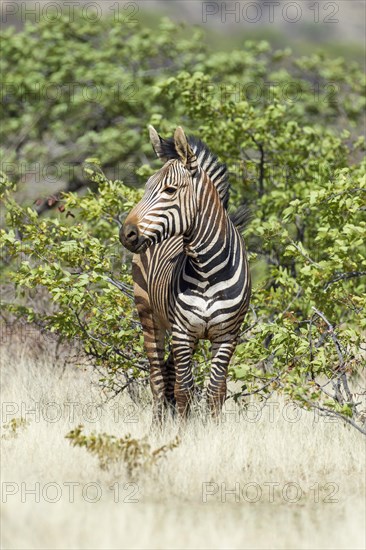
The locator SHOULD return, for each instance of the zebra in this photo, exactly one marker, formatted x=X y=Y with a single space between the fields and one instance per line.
x=190 y=271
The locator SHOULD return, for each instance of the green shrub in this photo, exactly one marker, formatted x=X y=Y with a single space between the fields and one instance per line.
x=12 y=428
x=289 y=130
x=135 y=454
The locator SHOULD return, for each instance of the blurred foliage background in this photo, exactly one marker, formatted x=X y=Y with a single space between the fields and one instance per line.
x=285 y=115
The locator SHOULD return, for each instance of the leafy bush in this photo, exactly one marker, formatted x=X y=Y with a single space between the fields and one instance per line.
x=12 y=428
x=78 y=262
x=290 y=132
x=135 y=454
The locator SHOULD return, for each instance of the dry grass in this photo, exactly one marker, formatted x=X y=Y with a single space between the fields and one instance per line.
x=175 y=507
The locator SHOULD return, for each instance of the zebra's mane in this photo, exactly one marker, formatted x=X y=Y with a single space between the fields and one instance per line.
x=207 y=161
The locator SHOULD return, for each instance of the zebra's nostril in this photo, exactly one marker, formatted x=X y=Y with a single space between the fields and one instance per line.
x=131 y=235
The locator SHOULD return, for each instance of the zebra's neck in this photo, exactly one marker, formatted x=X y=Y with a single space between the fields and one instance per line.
x=212 y=243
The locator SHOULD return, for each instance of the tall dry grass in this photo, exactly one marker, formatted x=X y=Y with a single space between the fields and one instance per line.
x=282 y=478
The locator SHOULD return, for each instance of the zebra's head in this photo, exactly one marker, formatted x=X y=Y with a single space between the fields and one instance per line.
x=169 y=204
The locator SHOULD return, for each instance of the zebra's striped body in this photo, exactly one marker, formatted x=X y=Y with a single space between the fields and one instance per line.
x=190 y=272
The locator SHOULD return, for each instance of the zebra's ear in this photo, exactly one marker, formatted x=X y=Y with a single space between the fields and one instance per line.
x=184 y=150
x=156 y=142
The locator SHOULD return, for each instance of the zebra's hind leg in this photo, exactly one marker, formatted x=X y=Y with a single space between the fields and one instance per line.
x=217 y=386
x=170 y=383
x=183 y=345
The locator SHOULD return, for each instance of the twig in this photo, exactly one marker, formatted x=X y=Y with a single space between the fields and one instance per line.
x=104 y=344
x=303 y=253
x=339 y=353
x=344 y=276
x=329 y=412
x=261 y=388
x=126 y=289
x=332 y=335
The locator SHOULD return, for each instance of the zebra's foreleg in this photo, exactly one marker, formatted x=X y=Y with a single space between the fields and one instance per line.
x=154 y=345
x=217 y=386
x=183 y=346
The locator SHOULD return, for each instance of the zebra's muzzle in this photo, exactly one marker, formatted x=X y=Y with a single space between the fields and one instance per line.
x=131 y=238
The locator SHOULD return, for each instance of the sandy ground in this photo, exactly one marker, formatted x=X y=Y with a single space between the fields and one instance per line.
x=280 y=478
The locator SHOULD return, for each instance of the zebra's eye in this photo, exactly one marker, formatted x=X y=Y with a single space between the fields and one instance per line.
x=170 y=190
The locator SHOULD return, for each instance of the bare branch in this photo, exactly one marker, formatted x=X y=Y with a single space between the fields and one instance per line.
x=126 y=289
x=104 y=344
x=328 y=412
x=344 y=276
x=340 y=356
x=332 y=335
